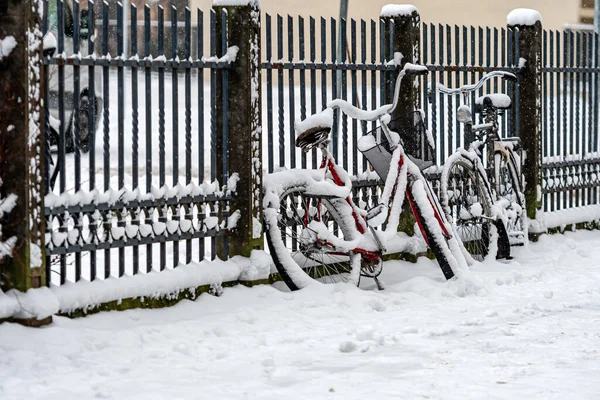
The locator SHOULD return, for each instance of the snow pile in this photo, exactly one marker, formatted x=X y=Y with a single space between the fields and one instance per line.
x=523 y=16
x=533 y=334
x=570 y=216
x=6 y=46
x=394 y=10
x=8 y=305
x=170 y=282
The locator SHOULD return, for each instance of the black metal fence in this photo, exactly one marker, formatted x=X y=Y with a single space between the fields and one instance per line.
x=142 y=167
x=571 y=158
x=301 y=72
x=133 y=174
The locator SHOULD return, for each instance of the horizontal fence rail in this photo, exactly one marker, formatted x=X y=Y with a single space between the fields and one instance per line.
x=132 y=171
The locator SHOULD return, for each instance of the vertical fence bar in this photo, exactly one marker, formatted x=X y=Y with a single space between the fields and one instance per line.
x=48 y=155
x=442 y=98
x=76 y=106
x=120 y=124
x=291 y=86
x=106 y=144
x=596 y=102
x=550 y=135
x=571 y=108
x=576 y=93
x=313 y=81
x=213 y=108
x=161 y=99
x=200 y=79
x=473 y=42
x=373 y=72
x=334 y=93
x=435 y=97
x=355 y=101
x=344 y=94
x=225 y=136
x=544 y=94
x=280 y=104
x=162 y=213
x=175 y=121
x=77 y=219
x=466 y=59
x=120 y=100
x=451 y=119
x=61 y=110
x=505 y=121
x=363 y=75
x=134 y=122
x=269 y=46
x=93 y=106
x=148 y=99
x=457 y=141
x=323 y=61
x=382 y=54
x=175 y=98
x=583 y=133
x=188 y=122
x=302 y=80
x=425 y=89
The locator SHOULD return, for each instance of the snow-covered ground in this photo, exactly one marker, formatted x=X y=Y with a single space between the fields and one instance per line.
x=525 y=329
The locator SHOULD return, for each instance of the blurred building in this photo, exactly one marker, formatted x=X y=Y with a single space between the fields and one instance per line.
x=555 y=13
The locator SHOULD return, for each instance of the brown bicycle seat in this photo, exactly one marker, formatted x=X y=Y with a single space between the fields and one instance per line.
x=313 y=137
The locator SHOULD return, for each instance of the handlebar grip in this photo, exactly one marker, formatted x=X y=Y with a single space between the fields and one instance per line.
x=510 y=77
x=416 y=71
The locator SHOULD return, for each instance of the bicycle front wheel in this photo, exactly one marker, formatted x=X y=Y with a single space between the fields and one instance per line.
x=308 y=238
x=510 y=192
x=466 y=199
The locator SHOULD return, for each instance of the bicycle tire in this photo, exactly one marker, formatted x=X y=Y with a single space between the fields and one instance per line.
x=467 y=202
x=296 y=253
x=436 y=240
x=508 y=187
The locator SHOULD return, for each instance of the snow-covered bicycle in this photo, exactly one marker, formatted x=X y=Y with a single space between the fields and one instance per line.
x=313 y=227
x=484 y=202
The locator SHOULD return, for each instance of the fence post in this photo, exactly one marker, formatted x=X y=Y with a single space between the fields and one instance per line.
x=21 y=148
x=243 y=119
x=406 y=37
x=529 y=102
x=405 y=22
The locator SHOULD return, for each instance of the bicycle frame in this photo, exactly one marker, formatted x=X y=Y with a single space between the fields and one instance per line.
x=329 y=166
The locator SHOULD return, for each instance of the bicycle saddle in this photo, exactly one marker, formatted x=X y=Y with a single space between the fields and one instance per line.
x=499 y=101
x=313 y=137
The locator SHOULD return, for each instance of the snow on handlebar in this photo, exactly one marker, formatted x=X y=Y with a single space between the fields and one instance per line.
x=473 y=87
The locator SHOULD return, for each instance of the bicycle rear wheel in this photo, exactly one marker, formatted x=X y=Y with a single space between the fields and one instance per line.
x=306 y=235
x=466 y=199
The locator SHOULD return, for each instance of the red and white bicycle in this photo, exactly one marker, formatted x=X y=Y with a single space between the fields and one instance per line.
x=316 y=231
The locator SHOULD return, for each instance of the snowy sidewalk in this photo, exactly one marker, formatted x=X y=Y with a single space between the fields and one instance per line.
x=529 y=329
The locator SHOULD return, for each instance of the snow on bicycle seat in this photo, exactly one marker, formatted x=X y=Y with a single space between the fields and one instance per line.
x=499 y=101
x=314 y=130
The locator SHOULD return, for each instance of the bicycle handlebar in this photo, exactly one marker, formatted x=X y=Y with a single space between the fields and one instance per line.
x=471 y=88
x=364 y=115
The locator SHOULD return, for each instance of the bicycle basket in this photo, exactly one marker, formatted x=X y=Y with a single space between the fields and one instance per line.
x=413 y=137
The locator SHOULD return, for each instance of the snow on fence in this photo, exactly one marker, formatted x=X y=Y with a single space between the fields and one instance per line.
x=137 y=176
